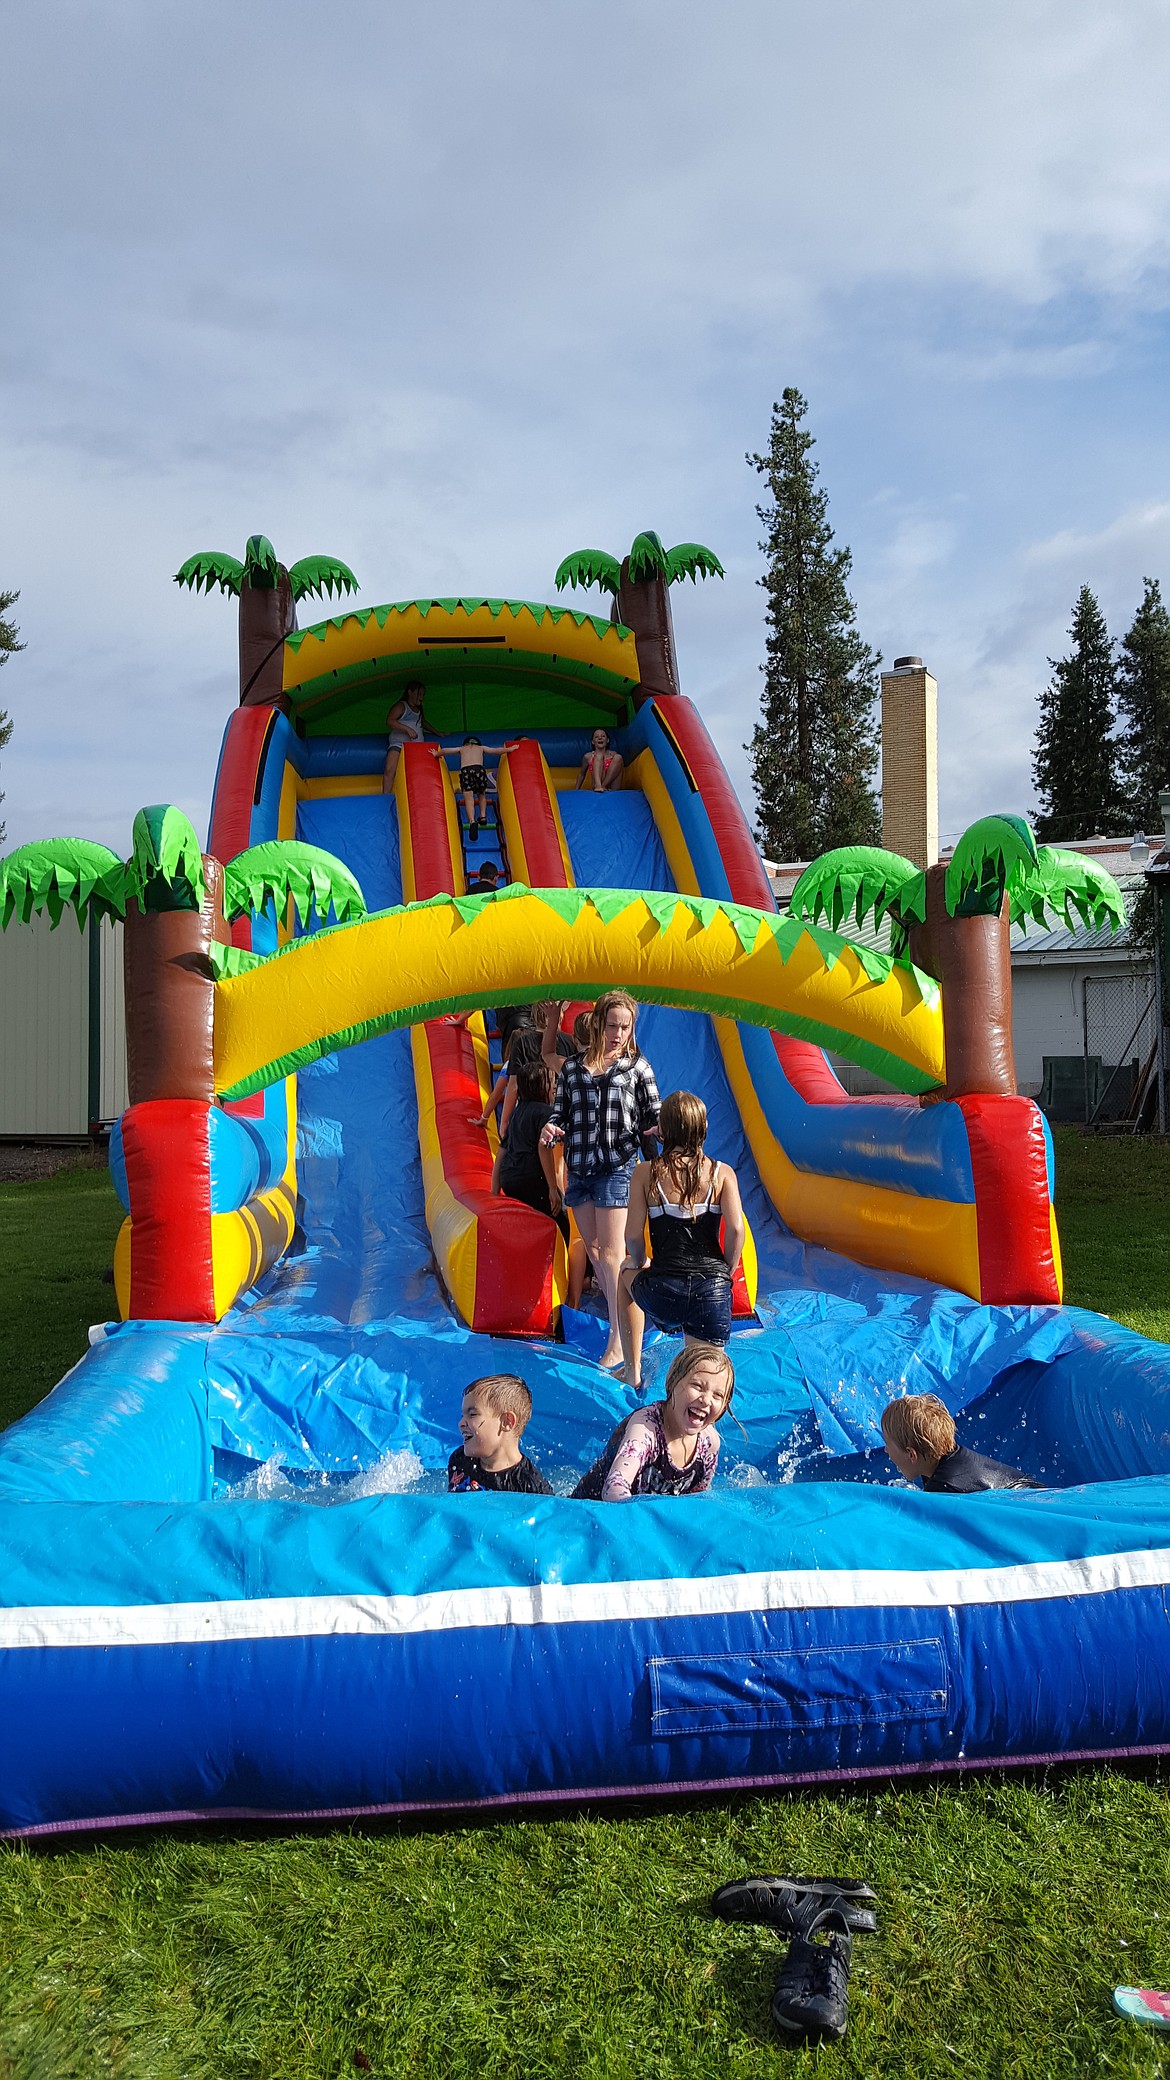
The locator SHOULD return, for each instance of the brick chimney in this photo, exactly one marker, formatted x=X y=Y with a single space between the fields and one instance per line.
x=910 y=761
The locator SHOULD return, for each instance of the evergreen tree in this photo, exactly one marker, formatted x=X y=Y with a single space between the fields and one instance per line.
x=814 y=753
x=1074 y=764
x=8 y=643
x=1143 y=696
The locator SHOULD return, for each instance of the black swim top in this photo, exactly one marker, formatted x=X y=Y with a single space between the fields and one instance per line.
x=685 y=1239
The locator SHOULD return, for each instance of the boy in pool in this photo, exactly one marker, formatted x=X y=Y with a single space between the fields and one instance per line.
x=495 y=1412
x=919 y=1435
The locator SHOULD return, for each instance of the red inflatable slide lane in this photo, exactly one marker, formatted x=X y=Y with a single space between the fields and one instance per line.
x=803 y=1064
x=514 y=1245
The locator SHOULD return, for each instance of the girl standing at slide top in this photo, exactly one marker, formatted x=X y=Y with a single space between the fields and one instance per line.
x=685 y=1196
x=671 y=1447
x=601 y=768
x=406 y=726
x=606 y=1100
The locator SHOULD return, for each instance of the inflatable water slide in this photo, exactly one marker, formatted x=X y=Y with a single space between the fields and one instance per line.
x=232 y=1581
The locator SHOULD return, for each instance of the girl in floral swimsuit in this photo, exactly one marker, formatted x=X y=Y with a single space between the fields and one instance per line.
x=671 y=1447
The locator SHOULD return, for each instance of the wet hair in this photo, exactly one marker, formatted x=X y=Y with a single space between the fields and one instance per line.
x=581 y=1030
x=920 y=1423
x=472 y=740
x=682 y=1125
x=599 y=732
x=489 y=868
x=414 y=686
x=535 y=1081
x=612 y=1000
x=505 y=1394
x=689 y=1359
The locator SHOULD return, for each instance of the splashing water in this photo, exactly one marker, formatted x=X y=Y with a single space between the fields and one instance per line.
x=395 y=1473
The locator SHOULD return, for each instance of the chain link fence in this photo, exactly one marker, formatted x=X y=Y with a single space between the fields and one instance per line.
x=1119 y=1029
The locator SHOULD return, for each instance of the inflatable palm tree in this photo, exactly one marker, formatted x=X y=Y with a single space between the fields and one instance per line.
x=954 y=921
x=176 y=903
x=268 y=595
x=639 y=587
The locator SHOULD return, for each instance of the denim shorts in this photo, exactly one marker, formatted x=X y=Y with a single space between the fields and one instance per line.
x=695 y=1303
x=600 y=1187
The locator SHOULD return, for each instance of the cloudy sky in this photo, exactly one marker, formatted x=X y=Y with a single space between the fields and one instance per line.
x=451 y=291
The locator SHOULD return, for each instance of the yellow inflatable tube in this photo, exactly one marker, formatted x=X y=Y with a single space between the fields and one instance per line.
x=404 y=966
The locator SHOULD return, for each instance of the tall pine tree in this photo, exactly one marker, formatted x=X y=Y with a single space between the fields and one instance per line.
x=814 y=753
x=8 y=643
x=1143 y=696
x=1074 y=764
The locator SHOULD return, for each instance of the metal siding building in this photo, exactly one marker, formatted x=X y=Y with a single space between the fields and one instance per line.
x=62 y=1029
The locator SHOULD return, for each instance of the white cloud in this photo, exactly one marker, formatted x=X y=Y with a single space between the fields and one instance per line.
x=451 y=292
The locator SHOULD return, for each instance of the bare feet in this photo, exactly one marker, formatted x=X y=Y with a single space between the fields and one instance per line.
x=611 y=1360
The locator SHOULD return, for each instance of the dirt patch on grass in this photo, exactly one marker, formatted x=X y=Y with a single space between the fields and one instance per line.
x=24 y=1162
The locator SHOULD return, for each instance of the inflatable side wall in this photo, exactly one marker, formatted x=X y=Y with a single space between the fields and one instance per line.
x=959 y=1192
x=210 y=1189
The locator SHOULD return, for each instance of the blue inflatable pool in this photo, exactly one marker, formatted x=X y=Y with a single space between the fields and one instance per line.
x=233 y=1584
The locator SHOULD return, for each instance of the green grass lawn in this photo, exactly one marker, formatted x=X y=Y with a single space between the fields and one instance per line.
x=583 y=1945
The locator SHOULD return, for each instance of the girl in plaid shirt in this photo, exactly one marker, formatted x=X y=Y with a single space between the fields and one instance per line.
x=606 y=1100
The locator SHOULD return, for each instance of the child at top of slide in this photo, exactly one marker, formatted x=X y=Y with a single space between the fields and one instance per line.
x=405 y=724
x=670 y=1447
x=495 y=1413
x=601 y=768
x=919 y=1435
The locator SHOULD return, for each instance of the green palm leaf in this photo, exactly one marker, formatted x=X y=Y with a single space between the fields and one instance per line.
x=858 y=879
x=212 y=567
x=55 y=873
x=648 y=558
x=261 y=563
x=318 y=575
x=985 y=858
x=284 y=869
x=1062 y=883
x=691 y=560
x=165 y=868
x=589 y=567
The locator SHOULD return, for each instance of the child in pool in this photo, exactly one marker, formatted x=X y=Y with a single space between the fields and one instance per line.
x=919 y=1435
x=672 y=1446
x=494 y=1416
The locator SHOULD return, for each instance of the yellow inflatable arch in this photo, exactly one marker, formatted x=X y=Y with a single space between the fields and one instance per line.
x=404 y=966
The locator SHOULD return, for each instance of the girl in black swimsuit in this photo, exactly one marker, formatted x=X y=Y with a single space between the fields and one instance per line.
x=685 y=1199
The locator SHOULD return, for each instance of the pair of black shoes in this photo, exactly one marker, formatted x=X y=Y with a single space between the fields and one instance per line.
x=822 y=1916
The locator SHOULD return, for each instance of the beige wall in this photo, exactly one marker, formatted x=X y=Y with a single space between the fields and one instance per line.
x=44 y=1028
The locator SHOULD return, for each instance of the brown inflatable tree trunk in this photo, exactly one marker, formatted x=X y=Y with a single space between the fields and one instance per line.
x=643 y=606
x=170 y=995
x=971 y=958
x=267 y=616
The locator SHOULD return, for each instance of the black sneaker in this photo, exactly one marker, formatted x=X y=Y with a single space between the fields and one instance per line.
x=811 y=2001
x=778 y=1902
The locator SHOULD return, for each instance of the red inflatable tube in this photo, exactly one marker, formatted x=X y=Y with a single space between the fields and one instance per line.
x=231 y=825
x=1009 y=1162
x=168 y=1178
